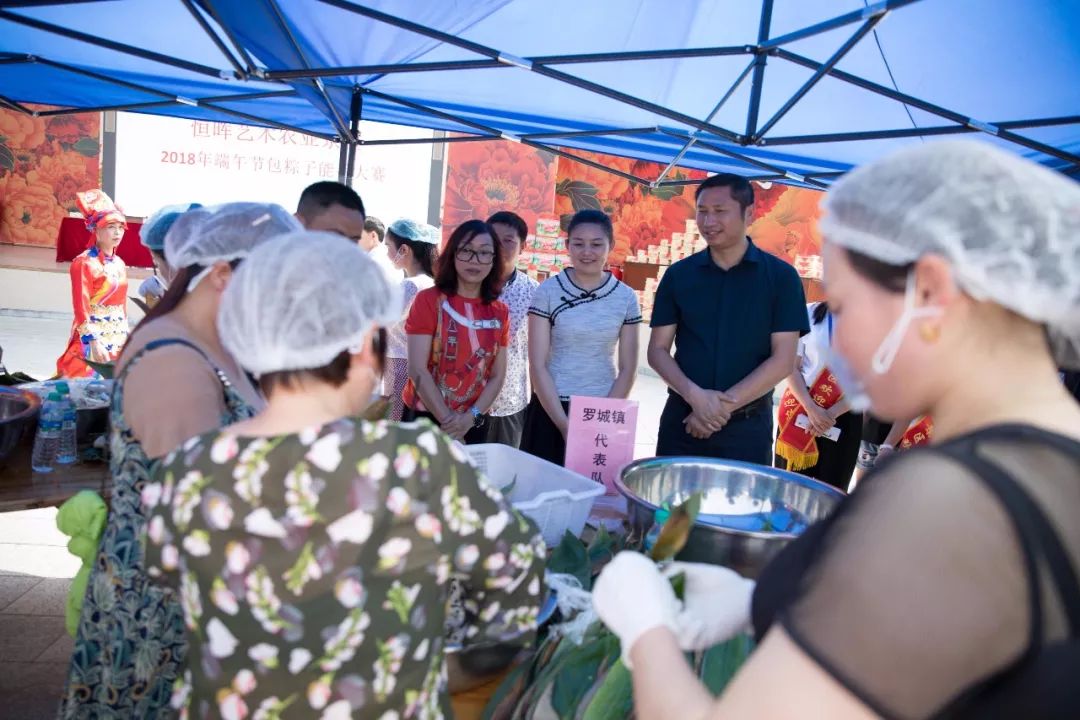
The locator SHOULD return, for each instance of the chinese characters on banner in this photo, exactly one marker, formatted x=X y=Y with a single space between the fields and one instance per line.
x=600 y=442
x=164 y=160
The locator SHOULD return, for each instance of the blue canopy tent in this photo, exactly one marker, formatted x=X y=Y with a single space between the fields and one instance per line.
x=781 y=90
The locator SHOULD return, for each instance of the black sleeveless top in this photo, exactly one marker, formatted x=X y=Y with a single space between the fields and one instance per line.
x=947 y=585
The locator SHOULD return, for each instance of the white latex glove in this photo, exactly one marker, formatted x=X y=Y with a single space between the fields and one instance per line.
x=716 y=604
x=632 y=597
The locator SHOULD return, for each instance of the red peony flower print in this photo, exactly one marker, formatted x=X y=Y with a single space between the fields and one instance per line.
x=486 y=177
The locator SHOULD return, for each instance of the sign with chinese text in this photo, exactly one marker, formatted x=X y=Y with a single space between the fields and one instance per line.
x=600 y=442
x=164 y=160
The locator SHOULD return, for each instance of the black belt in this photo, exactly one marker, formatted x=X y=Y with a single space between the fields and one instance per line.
x=763 y=403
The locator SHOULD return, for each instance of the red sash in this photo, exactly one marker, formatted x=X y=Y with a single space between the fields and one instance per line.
x=798 y=446
x=919 y=433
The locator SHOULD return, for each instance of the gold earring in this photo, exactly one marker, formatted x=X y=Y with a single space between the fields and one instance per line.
x=930 y=332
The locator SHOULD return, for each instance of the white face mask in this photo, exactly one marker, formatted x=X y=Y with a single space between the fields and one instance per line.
x=885 y=356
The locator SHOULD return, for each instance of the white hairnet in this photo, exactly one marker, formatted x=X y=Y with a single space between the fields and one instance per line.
x=1010 y=227
x=224 y=232
x=301 y=300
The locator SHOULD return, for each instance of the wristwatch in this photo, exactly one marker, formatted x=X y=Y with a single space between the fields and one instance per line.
x=478 y=417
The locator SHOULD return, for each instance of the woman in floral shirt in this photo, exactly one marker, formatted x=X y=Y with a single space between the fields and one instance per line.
x=314 y=552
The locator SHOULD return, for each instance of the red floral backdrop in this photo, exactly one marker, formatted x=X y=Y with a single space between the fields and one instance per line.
x=43 y=163
x=484 y=177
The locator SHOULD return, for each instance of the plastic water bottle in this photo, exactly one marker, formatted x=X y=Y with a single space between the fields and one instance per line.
x=47 y=442
x=68 y=451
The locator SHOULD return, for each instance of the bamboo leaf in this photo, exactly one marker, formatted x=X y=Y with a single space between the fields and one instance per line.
x=502 y=703
x=578 y=672
x=105 y=370
x=676 y=530
x=571 y=558
x=722 y=661
x=615 y=698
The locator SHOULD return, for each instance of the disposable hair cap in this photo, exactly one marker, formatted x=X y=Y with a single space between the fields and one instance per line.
x=301 y=300
x=153 y=231
x=410 y=230
x=224 y=233
x=1009 y=227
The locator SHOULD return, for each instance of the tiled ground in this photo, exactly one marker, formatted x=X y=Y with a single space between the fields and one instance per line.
x=35 y=574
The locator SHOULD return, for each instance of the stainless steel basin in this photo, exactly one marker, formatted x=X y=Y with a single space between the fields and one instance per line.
x=18 y=417
x=748 y=512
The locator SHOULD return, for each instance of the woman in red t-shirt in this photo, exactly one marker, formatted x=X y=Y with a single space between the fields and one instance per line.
x=458 y=332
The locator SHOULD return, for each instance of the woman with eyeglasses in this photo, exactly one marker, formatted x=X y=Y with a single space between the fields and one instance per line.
x=458 y=332
x=576 y=321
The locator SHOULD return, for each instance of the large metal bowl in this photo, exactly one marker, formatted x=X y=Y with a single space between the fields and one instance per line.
x=748 y=512
x=18 y=413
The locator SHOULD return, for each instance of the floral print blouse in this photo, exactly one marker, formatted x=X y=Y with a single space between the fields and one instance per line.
x=314 y=569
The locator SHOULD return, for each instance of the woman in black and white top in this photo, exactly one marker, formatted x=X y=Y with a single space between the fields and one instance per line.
x=577 y=319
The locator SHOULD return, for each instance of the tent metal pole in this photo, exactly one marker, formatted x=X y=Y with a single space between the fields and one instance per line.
x=591 y=133
x=434 y=140
x=915 y=132
x=828 y=65
x=382 y=69
x=747 y=159
x=106 y=78
x=878 y=9
x=18 y=107
x=540 y=69
x=240 y=49
x=628 y=55
x=106 y=108
x=186 y=101
x=195 y=13
x=637 y=102
x=356 y=107
x=932 y=109
x=241 y=97
x=527 y=136
x=759 y=70
x=343 y=163
x=751 y=178
x=693 y=139
x=112 y=45
x=585 y=161
x=492 y=64
x=437 y=113
x=495 y=134
x=339 y=122
x=16 y=59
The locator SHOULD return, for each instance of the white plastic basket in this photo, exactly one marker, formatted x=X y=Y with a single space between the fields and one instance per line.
x=555 y=498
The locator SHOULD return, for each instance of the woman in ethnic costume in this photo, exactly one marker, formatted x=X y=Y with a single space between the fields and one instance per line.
x=174 y=381
x=98 y=290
